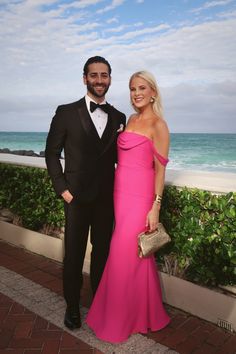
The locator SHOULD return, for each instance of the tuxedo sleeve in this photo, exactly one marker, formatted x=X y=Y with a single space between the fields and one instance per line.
x=123 y=120
x=54 y=146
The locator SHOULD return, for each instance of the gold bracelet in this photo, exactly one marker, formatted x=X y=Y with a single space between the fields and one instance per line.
x=158 y=199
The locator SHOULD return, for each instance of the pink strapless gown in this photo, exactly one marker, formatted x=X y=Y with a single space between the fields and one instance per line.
x=128 y=299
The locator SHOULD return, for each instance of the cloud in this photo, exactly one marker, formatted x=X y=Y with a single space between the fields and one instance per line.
x=144 y=31
x=124 y=27
x=198 y=108
x=112 y=20
x=80 y=4
x=211 y=4
x=227 y=14
x=44 y=45
x=114 y=4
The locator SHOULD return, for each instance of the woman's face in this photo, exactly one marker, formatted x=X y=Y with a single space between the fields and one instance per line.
x=140 y=92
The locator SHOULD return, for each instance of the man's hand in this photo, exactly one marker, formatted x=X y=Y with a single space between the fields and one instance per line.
x=67 y=196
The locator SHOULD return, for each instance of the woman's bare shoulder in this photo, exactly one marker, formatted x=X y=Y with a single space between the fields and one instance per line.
x=160 y=126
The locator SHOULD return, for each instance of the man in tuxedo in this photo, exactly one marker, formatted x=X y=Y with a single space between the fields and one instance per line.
x=87 y=131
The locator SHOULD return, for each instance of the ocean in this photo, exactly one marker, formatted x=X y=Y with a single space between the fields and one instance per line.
x=206 y=152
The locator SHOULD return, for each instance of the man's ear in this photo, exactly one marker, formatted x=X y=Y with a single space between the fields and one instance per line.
x=85 y=79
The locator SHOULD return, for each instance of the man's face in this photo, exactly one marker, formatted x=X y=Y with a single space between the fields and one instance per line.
x=98 y=81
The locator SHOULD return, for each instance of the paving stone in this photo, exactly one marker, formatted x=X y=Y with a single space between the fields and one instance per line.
x=177 y=337
x=229 y=347
x=218 y=337
x=160 y=336
x=68 y=341
x=189 y=345
x=178 y=320
x=191 y=324
x=46 y=334
x=40 y=277
x=16 y=309
x=23 y=329
x=16 y=351
x=51 y=346
x=75 y=351
x=40 y=323
x=202 y=332
x=5 y=338
x=205 y=349
x=27 y=343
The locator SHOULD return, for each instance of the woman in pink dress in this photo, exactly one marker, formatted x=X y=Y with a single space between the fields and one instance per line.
x=128 y=299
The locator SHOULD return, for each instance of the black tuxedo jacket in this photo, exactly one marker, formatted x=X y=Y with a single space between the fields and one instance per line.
x=89 y=159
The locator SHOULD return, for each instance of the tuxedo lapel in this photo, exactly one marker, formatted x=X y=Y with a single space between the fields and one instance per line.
x=88 y=125
x=109 y=133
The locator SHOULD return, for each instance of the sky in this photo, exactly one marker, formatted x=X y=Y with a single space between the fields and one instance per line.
x=189 y=46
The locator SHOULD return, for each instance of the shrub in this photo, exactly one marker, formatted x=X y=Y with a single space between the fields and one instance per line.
x=28 y=193
x=203 y=229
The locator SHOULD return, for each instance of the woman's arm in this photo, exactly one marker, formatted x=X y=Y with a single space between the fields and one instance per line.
x=161 y=144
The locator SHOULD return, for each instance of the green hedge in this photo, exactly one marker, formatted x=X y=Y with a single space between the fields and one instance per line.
x=28 y=193
x=203 y=229
x=202 y=225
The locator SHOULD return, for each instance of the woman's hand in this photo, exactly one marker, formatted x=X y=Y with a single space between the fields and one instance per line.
x=152 y=218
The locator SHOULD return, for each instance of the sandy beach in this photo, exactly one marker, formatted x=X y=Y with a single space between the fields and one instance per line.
x=211 y=181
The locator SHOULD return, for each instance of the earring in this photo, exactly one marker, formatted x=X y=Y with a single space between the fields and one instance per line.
x=152 y=99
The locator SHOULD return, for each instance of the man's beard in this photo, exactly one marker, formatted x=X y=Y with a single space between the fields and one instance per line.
x=91 y=89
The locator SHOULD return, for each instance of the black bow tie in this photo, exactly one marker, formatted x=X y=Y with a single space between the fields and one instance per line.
x=104 y=107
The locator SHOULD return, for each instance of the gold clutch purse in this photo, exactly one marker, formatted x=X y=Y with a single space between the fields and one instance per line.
x=150 y=242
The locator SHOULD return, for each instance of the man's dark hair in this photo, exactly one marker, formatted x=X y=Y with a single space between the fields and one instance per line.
x=96 y=59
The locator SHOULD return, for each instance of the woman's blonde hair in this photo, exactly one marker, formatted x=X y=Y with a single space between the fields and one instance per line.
x=157 y=102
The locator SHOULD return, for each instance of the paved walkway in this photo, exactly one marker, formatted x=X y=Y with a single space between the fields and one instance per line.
x=32 y=308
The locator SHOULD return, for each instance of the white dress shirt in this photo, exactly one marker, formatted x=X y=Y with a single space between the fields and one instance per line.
x=99 y=117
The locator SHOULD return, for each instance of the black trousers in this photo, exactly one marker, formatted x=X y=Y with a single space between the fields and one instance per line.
x=97 y=215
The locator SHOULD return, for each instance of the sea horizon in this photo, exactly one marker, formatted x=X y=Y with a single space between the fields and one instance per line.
x=189 y=151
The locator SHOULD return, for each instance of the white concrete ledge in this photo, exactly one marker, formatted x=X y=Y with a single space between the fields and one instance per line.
x=217 y=182
x=202 y=302
x=23 y=160
x=47 y=246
